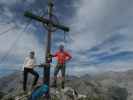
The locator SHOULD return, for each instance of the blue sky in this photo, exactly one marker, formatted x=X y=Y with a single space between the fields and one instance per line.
x=100 y=38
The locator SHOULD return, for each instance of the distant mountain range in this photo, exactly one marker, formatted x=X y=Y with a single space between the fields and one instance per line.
x=106 y=86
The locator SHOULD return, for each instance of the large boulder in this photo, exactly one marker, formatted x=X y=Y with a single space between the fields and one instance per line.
x=117 y=93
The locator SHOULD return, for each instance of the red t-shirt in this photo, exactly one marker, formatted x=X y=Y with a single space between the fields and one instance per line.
x=62 y=56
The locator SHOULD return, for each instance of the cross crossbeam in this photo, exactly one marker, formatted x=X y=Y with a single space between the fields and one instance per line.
x=45 y=21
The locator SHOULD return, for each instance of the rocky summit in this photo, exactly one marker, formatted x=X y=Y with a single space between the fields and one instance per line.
x=104 y=86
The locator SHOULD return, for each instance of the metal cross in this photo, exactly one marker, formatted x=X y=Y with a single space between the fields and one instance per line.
x=48 y=21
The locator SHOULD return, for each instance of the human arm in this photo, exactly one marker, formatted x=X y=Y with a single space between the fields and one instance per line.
x=68 y=56
x=24 y=63
x=54 y=55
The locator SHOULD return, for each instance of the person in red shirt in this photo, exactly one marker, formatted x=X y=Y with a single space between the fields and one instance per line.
x=61 y=56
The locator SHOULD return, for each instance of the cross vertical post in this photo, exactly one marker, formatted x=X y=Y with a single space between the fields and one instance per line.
x=46 y=77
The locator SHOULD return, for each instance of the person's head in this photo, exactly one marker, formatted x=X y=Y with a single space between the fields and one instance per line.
x=32 y=54
x=61 y=47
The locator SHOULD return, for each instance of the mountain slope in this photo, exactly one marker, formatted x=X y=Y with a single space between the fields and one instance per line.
x=105 y=86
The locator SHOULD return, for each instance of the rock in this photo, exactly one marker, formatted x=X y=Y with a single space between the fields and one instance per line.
x=91 y=88
x=118 y=93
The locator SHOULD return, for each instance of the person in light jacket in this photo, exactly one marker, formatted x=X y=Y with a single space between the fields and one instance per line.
x=29 y=64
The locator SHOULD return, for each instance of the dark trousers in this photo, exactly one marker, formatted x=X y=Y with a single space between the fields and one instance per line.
x=62 y=68
x=25 y=76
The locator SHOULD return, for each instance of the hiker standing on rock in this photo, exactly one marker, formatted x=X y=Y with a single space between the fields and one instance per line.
x=29 y=64
x=61 y=56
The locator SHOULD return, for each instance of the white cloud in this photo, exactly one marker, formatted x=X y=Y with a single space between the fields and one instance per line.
x=95 y=20
x=7 y=2
x=19 y=43
x=118 y=66
x=12 y=2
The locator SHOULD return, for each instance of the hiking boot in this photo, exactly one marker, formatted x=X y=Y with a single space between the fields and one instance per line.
x=63 y=85
x=24 y=88
x=54 y=85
